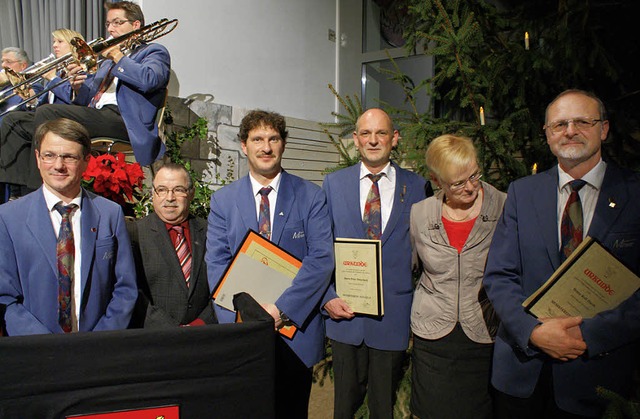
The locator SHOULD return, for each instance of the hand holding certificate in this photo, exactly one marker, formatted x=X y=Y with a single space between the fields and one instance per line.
x=261 y=269
x=590 y=281
x=359 y=274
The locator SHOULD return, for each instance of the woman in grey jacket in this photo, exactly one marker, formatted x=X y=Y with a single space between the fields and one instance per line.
x=451 y=233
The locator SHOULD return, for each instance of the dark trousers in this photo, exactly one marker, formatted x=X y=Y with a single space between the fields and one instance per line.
x=293 y=384
x=541 y=404
x=359 y=371
x=17 y=151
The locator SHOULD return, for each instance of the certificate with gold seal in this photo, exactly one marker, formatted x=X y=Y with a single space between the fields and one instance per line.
x=359 y=274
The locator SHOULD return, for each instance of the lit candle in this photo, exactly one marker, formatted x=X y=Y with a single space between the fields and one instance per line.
x=481 y=115
x=526 y=41
x=534 y=169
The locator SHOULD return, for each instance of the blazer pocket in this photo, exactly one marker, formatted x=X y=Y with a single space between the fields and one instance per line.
x=105 y=248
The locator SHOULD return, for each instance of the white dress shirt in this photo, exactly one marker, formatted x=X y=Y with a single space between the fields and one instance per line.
x=588 y=195
x=273 y=196
x=387 y=188
x=56 y=220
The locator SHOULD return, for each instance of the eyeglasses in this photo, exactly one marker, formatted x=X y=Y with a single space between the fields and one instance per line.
x=7 y=61
x=581 y=124
x=178 y=191
x=474 y=178
x=116 y=23
x=50 y=158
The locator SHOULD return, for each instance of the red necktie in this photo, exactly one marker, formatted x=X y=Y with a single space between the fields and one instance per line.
x=264 y=219
x=183 y=252
x=571 y=229
x=65 y=254
x=106 y=82
x=372 y=216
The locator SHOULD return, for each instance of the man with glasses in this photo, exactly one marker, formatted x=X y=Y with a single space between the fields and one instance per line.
x=65 y=260
x=368 y=351
x=120 y=101
x=550 y=367
x=169 y=247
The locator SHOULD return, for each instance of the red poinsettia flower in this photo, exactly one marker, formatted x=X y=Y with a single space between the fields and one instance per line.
x=112 y=177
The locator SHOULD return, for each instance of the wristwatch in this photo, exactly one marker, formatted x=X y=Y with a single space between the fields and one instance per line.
x=284 y=319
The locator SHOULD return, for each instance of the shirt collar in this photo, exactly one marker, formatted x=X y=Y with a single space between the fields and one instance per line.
x=256 y=186
x=388 y=170
x=594 y=177
x=52 y=199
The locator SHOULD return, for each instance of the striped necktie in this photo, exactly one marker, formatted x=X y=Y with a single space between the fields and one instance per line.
x=571 y=228
x=65 y=255
x=372 y=216
x=183 y=252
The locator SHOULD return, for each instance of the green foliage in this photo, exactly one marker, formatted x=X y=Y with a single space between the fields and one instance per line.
x=345 y=126
x=618 y=407
x=173 y=141
x=480 y=60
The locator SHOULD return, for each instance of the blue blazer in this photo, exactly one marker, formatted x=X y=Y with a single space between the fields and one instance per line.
x=391 y=331
x=302 y=227
x=61 y=94
x=523 y=255
x=28 y=268
x=142 y=87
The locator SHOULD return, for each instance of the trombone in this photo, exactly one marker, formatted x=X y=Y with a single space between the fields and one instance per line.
x=86 y=55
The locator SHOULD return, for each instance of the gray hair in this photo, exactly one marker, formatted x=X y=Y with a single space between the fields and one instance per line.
x=19 y=53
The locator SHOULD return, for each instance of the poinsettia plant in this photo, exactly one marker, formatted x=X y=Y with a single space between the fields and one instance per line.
x=114 y=178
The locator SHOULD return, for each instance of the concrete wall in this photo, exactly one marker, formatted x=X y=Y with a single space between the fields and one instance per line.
x=271 y=54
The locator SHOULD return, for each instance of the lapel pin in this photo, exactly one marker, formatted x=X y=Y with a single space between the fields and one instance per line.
x=612 y=203
x=281 y=214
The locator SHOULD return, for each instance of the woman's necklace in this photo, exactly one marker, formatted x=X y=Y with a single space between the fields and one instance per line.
x=471 y=210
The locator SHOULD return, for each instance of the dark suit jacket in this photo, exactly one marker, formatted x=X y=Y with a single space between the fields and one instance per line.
x=391 y=331
x=523 y=255
x=29 y=273
x=164 y=299
x=302 y=227
x=141 y=91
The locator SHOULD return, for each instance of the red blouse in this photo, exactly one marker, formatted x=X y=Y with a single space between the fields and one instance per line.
x=458 y=231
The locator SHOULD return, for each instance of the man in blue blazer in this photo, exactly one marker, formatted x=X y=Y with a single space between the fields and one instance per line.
x=102 y=290
x=120 y=101
x=551 y=367
x=293 y=214
x=366 y=348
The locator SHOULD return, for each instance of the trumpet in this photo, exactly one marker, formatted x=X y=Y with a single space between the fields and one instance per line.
x=87 y=55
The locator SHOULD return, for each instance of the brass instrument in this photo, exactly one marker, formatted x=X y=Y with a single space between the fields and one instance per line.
x=22 y=82
x=87 y=56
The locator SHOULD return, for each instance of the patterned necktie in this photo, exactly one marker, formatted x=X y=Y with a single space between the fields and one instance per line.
x=183 y=252
x=106 y=82
x=264 y=219
x=65 y=251
x=571 y=225
x=372 y=217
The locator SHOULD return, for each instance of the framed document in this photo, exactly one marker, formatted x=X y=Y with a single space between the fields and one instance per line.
x=260 y=268
x=590 y=281
x=359 y=274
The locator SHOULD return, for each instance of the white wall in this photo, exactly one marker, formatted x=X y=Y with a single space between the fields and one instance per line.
x=272 y=54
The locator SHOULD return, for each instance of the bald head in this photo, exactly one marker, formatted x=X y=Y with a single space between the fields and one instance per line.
x=375 y=138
